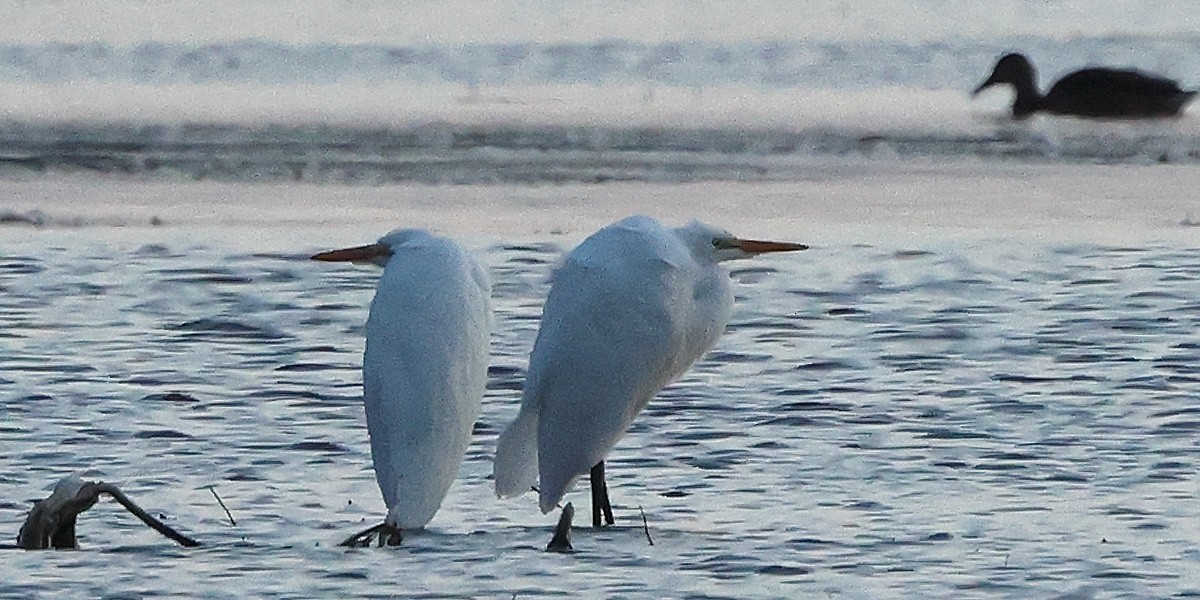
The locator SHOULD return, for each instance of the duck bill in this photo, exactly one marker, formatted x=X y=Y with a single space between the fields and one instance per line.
x=983 y=86
x=763 y=247
x=366 y=253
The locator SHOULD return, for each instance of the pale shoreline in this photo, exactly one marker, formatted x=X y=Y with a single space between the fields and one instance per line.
x=841 y=201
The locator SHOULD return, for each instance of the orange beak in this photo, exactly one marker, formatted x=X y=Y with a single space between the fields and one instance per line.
x=356 y=254
x=762 y=247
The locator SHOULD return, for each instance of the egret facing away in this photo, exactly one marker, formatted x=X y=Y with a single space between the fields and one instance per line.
x=630 y=309
x=424 y=370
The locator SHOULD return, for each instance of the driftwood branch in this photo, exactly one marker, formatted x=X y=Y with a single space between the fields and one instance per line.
x=51 y=522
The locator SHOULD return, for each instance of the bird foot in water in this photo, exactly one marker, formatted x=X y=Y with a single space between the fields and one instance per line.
x=561 y=542
x=384 y=534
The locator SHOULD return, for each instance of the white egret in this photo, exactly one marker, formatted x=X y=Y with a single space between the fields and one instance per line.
x=630 y=309
x=424 y=370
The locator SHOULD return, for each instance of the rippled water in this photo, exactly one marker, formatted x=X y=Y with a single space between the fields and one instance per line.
x=447 y=153
x=958 y=418
x=754 y=104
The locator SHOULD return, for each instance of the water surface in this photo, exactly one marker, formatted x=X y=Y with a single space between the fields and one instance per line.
x=953 y=417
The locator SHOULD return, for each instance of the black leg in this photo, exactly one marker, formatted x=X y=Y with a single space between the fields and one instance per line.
x=595 y=487
x=600 y=503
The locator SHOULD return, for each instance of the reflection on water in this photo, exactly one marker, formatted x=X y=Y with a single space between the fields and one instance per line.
x=982 y=420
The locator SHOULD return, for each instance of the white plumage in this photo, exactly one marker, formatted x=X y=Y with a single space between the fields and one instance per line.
x=424 y=368
x=630 y=309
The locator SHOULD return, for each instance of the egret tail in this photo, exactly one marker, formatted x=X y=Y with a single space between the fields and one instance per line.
x=516 y=465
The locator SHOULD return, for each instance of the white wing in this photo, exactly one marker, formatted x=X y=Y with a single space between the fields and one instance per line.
x=614 y=331
x=424 y=372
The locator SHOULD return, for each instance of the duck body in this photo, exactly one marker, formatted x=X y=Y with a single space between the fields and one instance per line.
x=1094 y=92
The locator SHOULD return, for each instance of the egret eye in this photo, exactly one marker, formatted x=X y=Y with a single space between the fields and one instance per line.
x=716 y=243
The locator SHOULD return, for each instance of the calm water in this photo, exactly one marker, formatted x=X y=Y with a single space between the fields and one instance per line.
x=962 y=417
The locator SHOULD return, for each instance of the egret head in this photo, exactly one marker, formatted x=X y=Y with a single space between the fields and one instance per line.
x=378 y=253
x=715 y=245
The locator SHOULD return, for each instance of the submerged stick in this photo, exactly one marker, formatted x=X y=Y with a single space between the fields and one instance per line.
x=51 y=522
x=213 y=489
x=646 y=526
x=561 y=542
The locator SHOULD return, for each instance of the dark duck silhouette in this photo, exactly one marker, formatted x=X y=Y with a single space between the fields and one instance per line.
x=1095 y=92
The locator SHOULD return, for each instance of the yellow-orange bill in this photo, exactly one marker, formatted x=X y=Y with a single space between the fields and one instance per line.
x=356 y=254
x=759 y=246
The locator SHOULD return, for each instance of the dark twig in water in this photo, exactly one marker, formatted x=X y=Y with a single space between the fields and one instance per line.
x=561 y=542
x=213 y=489
x=51 y=522
x=646 y=526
